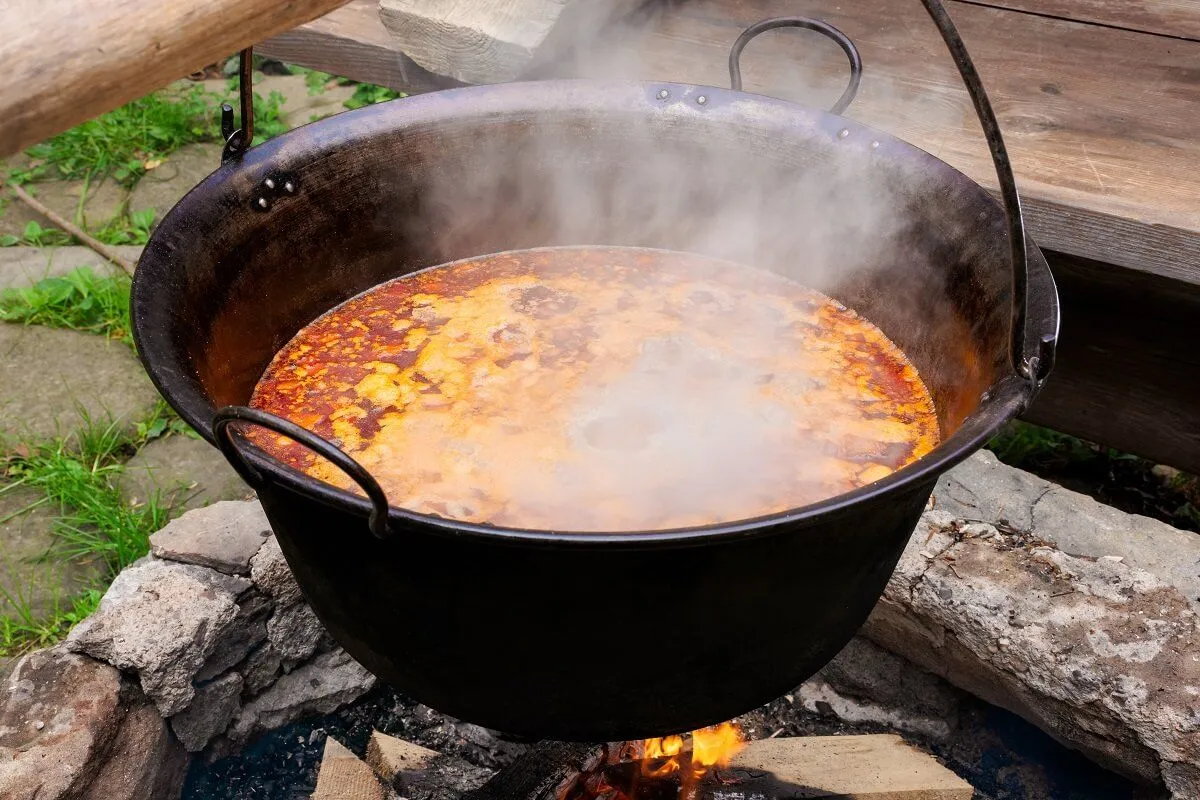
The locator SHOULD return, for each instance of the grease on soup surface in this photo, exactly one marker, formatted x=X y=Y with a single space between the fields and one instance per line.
x=599 y=389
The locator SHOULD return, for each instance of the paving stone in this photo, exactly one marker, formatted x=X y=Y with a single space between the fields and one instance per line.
x=105 y=200
x=162 y=620
x=25 y=537
x=224 y=536
x=25 y=266
x=52 y=378
x=162 y=187
x=185 y=473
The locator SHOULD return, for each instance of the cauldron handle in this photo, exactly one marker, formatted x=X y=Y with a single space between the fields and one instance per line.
x=377 y=522
x=735 y=52
x=1034 y=367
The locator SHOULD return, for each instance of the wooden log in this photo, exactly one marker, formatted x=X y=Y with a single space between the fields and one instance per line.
x=67 y=61
x=491 y=41
x=344 y=777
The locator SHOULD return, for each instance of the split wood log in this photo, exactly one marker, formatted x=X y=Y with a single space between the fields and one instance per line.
x=1103 y=656
x=66 y=61
x=344 y=777
x=492 y=41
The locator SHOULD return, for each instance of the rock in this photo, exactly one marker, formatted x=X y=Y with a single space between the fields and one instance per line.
x=89 y=377
x=209 y=712
x=295 y=631
x=105 y=200
x=982 y=488
x=271 y=573
x=185 y=473
x=27 y=534
x=162 y=620
x=323 y=685
x=25 y=266
x=145 y=763
x=248 y=631
x=260 y=669
x=224 y=536
x=344 y=777
x=162 y=187
x=60 y=717
x=1103 y=656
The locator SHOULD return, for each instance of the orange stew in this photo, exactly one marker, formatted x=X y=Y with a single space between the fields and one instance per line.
x=599 y=389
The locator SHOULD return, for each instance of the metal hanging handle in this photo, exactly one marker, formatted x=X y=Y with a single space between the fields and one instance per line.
x=377 y=522
x=237 y=141
x=843 y=41
x=1035 y=366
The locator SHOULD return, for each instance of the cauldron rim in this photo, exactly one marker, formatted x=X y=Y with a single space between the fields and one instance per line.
x=1008 y=396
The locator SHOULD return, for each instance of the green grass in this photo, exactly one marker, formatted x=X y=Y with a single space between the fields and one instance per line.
x=80 y=300
x=22 y=631
x=366 y=94
x=127 y=229
x=35 y=235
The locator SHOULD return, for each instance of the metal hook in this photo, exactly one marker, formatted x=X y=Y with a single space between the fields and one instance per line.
x=843 y=41
x=237 y=141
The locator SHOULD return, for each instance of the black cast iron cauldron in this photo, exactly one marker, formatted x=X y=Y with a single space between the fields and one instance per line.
x=592 y=636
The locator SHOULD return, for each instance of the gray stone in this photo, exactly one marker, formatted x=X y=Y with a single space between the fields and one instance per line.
x=1102 y=655
x=184 y=473
x=248 y=631
x=27 y=531
x=224 y=536
x=60 y=717
x=983 y=488
x=25 y=266
x=209 y=713
x=162 y=187
x=145 y=762
x=105 y=200
x=162 y=620
x=260 y=669
x=54 y=379
x=295 y=632
x=270 y=572
x=323 y=685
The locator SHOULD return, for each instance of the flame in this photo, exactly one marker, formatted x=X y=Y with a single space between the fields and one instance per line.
x=711 y=747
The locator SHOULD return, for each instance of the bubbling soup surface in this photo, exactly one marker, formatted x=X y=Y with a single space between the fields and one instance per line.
x=599 y=389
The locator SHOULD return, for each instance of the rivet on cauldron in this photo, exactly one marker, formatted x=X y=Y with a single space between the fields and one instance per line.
x=262 y=203
x=269 y=183
x=663 y=94
x=289 y=187
x=701 y=100
x=843 y=133
x=874 y=145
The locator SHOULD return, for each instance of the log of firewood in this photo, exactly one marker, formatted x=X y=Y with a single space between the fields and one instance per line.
x=67 y=61
x=492 y=41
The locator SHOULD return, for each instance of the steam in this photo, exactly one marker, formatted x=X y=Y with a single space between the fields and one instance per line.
x=830 y=215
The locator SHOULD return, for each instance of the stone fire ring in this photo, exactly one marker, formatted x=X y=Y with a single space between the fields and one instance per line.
x=1080 y=618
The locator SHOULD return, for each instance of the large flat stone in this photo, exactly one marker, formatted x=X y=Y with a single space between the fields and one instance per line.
x=1103 y=656
x=26 y=535
x=53 y=379
x=162 y=187
x=25 y=266
x=224 y=536
x=185 y=473
x=59 y=716
x=161 y=620
x=104 y=200
x=983 y=488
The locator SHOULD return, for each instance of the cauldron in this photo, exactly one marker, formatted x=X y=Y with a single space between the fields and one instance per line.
x=586 y=636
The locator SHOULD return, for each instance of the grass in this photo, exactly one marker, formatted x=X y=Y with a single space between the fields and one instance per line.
x=35 y=235
x=366 y=94
x=77 y=475
x=80 y=300
x=134 y=228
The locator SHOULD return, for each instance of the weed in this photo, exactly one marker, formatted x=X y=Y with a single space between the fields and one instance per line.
x=315 y=80
x=21 y=631
x=80 y=300
x=366 y=94
x=133 y=229
x=35 y=235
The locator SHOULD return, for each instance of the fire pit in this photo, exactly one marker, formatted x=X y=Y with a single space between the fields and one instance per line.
x=594 y=636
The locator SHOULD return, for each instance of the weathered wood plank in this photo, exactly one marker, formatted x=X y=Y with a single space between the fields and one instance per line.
x=1179 y=18
x=66 y=62
x=492 y=41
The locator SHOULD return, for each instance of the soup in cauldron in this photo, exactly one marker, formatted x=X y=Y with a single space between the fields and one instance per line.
x=599 y=389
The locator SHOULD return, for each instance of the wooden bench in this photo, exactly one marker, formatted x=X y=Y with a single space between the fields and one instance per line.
x=1100 y=104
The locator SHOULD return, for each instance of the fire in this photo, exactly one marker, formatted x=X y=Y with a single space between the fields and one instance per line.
x=711 y=747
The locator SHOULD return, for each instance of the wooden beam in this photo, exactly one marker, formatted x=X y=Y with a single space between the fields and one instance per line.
x=1178 y=18
x=67 y=61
